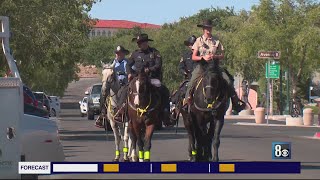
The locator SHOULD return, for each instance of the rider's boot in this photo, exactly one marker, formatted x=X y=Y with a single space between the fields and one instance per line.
x=99 y=121
x=237 y=104
x=165 y=94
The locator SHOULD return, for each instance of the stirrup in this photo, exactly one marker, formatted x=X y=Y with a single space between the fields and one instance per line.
x=99 y=122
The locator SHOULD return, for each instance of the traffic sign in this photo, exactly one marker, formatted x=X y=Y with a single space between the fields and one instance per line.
x=273 y=72
x=269 y=54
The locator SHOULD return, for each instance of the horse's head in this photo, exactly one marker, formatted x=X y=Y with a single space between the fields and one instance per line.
x=212 y=85
x=141 y=88
x=107 y=71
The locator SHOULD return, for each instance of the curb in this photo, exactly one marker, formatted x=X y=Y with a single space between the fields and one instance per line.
x=252 y=117
x=317 y=135
x=279 y=125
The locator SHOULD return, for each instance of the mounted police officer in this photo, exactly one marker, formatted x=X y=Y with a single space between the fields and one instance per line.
x=211 y=50
x=120 y=64
x=186 y=64
x=149 y=59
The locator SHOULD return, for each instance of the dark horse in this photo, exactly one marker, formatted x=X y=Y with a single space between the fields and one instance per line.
x=144 y=106
x=177 y=109
x=206 y=116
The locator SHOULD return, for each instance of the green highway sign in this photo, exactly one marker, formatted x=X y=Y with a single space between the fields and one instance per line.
x=274 y=71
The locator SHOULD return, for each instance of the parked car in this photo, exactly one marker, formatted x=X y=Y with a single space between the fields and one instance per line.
x=83 y=106
x=28 y=97
x=54 y=105
x=93 y=100
x=40 y=139
x=42 y=97
x=31 y=104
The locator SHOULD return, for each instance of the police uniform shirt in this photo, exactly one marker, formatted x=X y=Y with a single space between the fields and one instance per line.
x=120 y=66
x=186 y=63
x=150 y=58
x=207 y=46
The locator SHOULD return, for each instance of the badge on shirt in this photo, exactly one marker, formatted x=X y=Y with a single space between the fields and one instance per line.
x=151 y=56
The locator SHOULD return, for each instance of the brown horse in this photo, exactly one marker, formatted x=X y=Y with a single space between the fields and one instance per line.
x=144 y=107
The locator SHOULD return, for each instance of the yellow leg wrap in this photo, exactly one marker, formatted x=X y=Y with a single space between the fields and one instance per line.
x=140 y=154
x=194 y=153
x=125 y=150
x=117 y=153
x=147 y=155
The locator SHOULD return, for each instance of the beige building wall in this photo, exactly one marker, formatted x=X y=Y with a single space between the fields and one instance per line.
x=103 y=32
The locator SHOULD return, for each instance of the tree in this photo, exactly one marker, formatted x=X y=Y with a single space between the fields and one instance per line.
x=48 y=37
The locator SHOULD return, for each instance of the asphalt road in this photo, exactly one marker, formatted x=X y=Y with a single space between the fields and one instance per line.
x=82 y=141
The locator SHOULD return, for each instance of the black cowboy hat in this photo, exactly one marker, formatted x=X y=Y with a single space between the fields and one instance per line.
x=141 y=38
x=121 y=49
x=190 y=41
x=206 y=23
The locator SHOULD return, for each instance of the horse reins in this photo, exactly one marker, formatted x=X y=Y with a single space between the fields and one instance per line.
x=209 y=105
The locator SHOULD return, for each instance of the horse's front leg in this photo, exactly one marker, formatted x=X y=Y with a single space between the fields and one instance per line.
x=216 y=139
x=191 y=135
x=117 y=139
x=147 y=140
x=125 y=142
x=137 y=131
x=209 y=141
x=134 y=146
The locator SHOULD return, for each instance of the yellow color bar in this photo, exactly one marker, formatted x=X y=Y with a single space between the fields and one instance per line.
x=111 y=168
x=168 y=167
x=226 y=168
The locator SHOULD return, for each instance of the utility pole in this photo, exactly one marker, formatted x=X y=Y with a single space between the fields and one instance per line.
x=271 y=97
x=280 y=104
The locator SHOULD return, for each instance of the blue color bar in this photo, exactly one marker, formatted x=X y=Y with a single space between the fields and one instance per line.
x=260 y=167
x=135 y=167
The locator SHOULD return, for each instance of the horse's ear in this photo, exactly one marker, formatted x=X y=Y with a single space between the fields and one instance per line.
x=113 y=64
x=102 y=64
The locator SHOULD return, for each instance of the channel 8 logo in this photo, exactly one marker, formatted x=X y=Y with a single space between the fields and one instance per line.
x=281 y=150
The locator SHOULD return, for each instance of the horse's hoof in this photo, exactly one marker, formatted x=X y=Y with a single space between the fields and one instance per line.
x=215 y=159
x=126 y=160
x=192 y=159
x=146 y=160
x=134 y=159
x=115 y=160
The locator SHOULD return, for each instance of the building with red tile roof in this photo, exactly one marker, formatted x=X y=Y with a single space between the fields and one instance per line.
x=110 y=27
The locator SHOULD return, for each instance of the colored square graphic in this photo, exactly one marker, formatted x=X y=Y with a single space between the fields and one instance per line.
x=281 y=150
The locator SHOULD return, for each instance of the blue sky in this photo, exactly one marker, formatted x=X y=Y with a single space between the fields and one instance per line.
x=160 y=11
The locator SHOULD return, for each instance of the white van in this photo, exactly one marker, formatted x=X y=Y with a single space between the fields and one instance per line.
x=55 y=105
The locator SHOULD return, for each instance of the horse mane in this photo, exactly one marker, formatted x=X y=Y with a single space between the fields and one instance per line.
x=107 y=70
x=212 y=69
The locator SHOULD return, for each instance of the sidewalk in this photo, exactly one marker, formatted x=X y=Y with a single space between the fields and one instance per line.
x=252 y=117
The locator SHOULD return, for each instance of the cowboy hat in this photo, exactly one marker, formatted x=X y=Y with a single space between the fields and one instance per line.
x=141 y=38
x=190 y=41
x=121 y=49
x=206 y=23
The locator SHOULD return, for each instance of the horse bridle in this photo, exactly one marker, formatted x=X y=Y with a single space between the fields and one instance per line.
x=141 y=111
x=210 y=106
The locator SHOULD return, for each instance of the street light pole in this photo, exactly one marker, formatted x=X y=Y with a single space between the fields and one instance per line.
x=268 y=92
